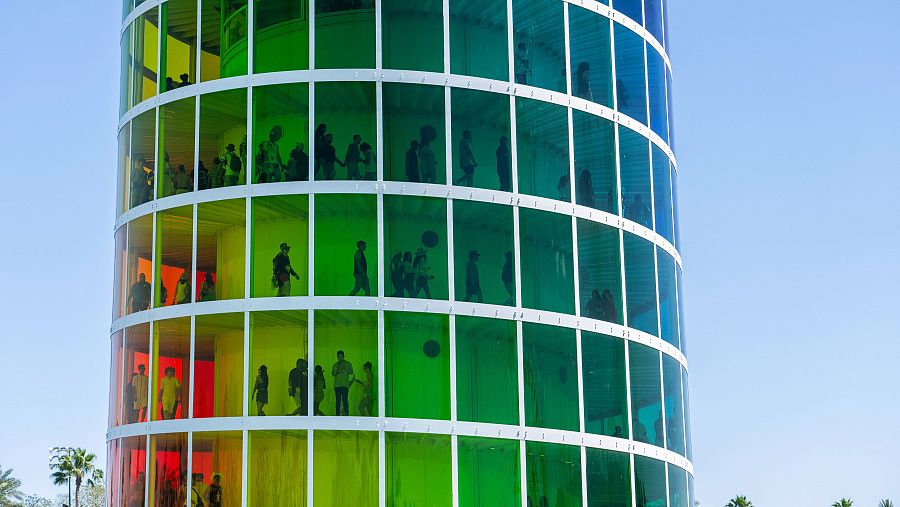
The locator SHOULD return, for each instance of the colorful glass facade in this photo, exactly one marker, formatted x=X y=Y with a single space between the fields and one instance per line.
x=397 y=252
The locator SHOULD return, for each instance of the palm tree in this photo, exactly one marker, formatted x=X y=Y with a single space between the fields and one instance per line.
x=843 y=502
x=76 y=464
x=739 y=501
x=886 y=503
x=9 y=488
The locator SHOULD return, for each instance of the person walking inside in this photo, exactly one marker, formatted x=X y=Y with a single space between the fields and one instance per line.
x=232 y=163
x=506 y=276
x=412 y=162
x=329 y=158
x=342 y=372
x=318 y=390
x=139 y=294
x=366 y=404
x=261 y=390
x=169 y=394
x=298 y=380
x=427 y=160
x=420 y=266
x=282 y=271
x=360 y=270
x=504 y=165
x=351 y=159
x=473 y=283
x=466 y=160
x=140 y=385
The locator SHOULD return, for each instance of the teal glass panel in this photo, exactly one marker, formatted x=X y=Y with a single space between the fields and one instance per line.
x=478 y=39
x=678 y=487
x=345 y=34
x=539 y=58
x=691 y=498
x=417 y=365
x=668 y=297
x=631 y=8
x=223 y=137
x=281 y=133
x=649 y=482
x=669 y=102
x=646 y=392
x=405 y=21
x=634 y=163
x=486 y=371
x=605 y=400
x=279 y=259
x=640 y=284
x=675 y=208
x=595 y=162
x=347 y=353
x=662 y=194
x=345 y=468
x=591 y=60
x=483 y=253
x=672 y=397
x=653 y=18
x=223 y=37
x=345 y=131
x=680 y=292
x=631 y=83
x=688 y=444
x=276 y=468
x=542 y=134
x=127 y=7
x=278 y=342
x=414 y=133
x=417 y=470
x=178 y=51
x=417 y=227
x=281 y=35
x=551 y=377
x=481 y=148
x=488 y=472
x=176 y=143
x=126 y=74
x=656 y=86
x=221 y=250
x=143 y=159
x=553 y=474
x=608 y=478
x=548 y=281
x=599 y=271
x=174 y=254
x=146 y=54
x=346 y=225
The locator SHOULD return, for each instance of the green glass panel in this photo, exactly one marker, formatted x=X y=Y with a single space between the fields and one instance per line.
x=481 y=149
x=171 y=377
x=345 y=468
x=353 y=380
x=221 y=250
x=478 y=39
x=138 y=267
x=176 y=143
x=178 y=54
x=281 y=133
x=417 y=470
x=548 y=282
x=674 y=404
x=599 y=271
x=553 y=474
x=417 y=365
x=345 y=34
x=126 y=73
x=486 y=371
x=146 y=52
x=551 y=377
x=539 y=36
x=646 y=392
x=136 y=359
x=640 y=284
x=404 y=21
x=679 y=285
x=414 y=133
x=277 y=468
x=668 y=297
x=417 y=228
x=345 y=225
x=662 y=194
x=281 y=35
x=168 y=468
x=223 y=39
x=278 y=340
x=223 y=137
x=174 y=253
x=218 y=365
x=608 y=478
x=483 y=252
x=591 y=60
x=678 y=487
x=489 y=472
x=634 y=162
x=275 y=271
x=143 y=159
x=649 y=482
x=216 y=468
x=595 y=162
x=605 y=401
x=542 y=134
x=344 y=140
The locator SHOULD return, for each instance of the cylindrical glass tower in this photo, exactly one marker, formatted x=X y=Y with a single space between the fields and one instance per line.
x=397 y=253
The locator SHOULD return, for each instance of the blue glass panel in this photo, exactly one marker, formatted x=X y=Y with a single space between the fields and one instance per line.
x=653 y=18
x=674 y=404
x=634 y=164
x=589 y=45
x=630 y=8
x=662 y=194
x=640 y=284
x=656 y=85
x=631 y=86
x=668 y=302
x=678 y=487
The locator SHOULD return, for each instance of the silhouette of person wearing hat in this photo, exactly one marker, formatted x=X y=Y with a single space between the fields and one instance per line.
x=261 y=390
x=282 y=271
x=420 y=266
x=351 y=159
x=232 y=166
x=506 y=276
x=169 y=394
x=182 y=290
x=139 y=294
x=473 y=284
x=466 y=160
x=270 y=165
x=360 y=270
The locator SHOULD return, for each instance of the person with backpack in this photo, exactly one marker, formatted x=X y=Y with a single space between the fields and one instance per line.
x=232 y=166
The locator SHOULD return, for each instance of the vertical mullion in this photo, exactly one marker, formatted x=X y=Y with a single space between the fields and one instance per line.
x=151 y=364
x=190 y=463
x=378 y=37
x=445 y=7
x=245 y=459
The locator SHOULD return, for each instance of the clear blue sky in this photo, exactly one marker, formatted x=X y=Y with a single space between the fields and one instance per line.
x=788 y=144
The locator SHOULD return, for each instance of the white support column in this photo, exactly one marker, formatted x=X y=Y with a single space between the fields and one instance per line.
x=193 y=376
x=190 y=461
x=245 y=460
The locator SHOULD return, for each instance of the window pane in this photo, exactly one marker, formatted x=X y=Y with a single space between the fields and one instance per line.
x=640 y=284
x=551 y=377
x=608 y=478
x=599 y=271
x=654 y=19
x=630 y=8
x=481 y=139
x=634 y=162
x=649 y=482
x=345 y=34
x=124 y=167
x=605 y=401
x=223 y=137
x=281 y=133
x=675 y=208
x=278 y=342
x=417 y=226
x=595 y=162
x=668 y=302
x=662 y=194
x=348 y=382
x=176 y=142
x=345 y=131
x=345 y=468
x=221 y=250
x=281 y=39
x=172 y=368
x=554 y=474
x=126 y=74
x=630 y=79
x=656 y=82
x=678 y=487
x=174 y=251
x=478 y=39
x=488 y=472
x=669 y=101
x=486 y=370
x=345 y=226
x=646 y=405
x=277 y=221
x=112 y=479
x=691 y=496
x=687 y=415
x=277 y=468
x=146 y=41
x=136 y=393
x=224 y=39
x=674 y=406
x=414 y=133
x=121 y=255
x=680 y=291
x=417 y=365
x=483 y=245
x=417 y=470
x=143 y=158
x=168 y=469
x=218 y=366
x=138 y=267
x=133 y=470
x=548 y=282
x=539 y=36
x=216 y=468
x=591 y=58
x=115 y=380
x=421 y=21
x=542 y=136
x=179 y=44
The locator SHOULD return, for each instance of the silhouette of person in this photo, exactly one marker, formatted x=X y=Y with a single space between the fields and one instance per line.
x=563 y=188
x=329 y=158
x=639 y=212
x=168 y=182
x=409 y=274
x=163 y=294
x=170 y=84
x=466 y=159
x=420 y=266
x=139 y=294
x=269 y=158
x=473 y=283
x=319 y=149
x=427 y=160
x=214 y=494
x=396 y=271
x=185 y=80
x=169 y=394
x=509 y=282
x=318 y=389
x=640 y=431
x=368 y=397
x=140 y=184
x=261 y=390
x=183 y=181
x=367 y=162
x=298 y=165
x=621 y=95
x=593 y=308
x=282 y=271
x=140 y=384
x=232 y=164
x=608 y=311
x=658 y=430
x=216 y=174
x=342 y=372
x=182 y=290
x=208 y=288
x=360 y=270
x=618 y=433
x=583 y=82
x=202 y=175
x=412 y=162
x=522 y=67
x=297 y=386
x=584 y=192
x=504 y=165
x=198 y=490
x=351 y=159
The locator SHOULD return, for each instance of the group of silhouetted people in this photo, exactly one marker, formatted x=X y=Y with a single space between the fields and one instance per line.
x=172 y=85
x=411 y=274
x=139 y=292
x=269 y=165
x=359 y=159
